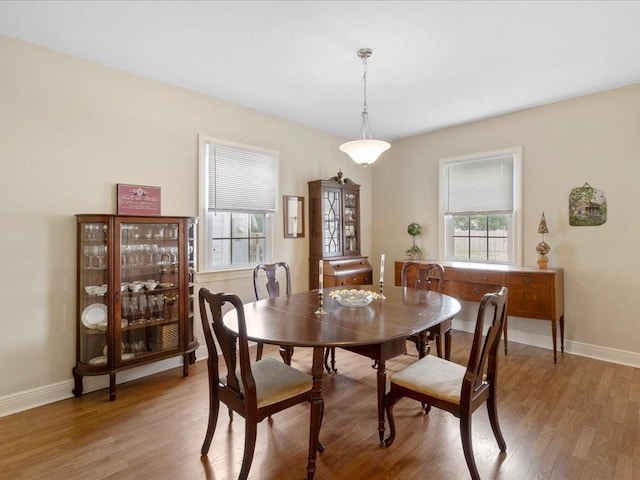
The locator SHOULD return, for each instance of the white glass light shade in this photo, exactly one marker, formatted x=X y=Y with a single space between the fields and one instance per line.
x=364 y=152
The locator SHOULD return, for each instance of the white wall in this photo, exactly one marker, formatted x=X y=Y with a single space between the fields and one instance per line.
x=592 y=139
x=70 y=131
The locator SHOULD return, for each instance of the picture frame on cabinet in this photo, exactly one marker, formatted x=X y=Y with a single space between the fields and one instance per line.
x=138 y=200
x=293 y=216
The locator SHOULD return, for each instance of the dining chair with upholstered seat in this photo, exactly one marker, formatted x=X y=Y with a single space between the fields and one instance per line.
x=430 y=277
x=272 y=289
x=457 y=389
x=253 y=391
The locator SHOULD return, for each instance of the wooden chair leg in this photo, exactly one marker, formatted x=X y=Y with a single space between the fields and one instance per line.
x=447 y=345
x=214 y=408
x=467 y=446
x=286 y=353
x=259 y=351
x=439 y=348
x=389 y=402
x=492 y=410
x=250 y=435
x=330 y=351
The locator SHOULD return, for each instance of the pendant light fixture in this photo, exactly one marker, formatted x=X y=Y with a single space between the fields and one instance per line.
x=365 y=150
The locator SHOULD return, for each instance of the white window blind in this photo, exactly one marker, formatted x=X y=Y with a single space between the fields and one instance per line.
x=479 y=186
x=241 y=179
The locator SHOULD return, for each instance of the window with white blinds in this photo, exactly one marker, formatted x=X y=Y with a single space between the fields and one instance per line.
x=238 y=201
x=484 y=185
x=241 y=179
x=480 y=203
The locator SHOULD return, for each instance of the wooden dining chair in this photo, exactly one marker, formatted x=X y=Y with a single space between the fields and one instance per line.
x=253 y=391
x=272 y=289
x=458 y=390
x=430 y=277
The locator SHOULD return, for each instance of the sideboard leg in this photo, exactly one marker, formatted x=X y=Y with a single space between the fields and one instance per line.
x=504 y=329
x=555 y=341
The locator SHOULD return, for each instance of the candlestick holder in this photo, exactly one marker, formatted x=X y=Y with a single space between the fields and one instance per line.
x=382 y=297
x=320 y=310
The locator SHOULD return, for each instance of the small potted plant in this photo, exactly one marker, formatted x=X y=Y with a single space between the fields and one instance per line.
x=414 y=252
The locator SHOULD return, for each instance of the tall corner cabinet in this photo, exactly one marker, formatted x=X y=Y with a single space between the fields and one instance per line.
x=334 y=233
x=135 y=293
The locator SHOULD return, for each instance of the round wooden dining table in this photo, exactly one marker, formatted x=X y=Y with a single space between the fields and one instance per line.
x=377 y=331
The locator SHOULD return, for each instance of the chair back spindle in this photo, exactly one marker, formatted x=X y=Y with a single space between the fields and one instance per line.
x=482 y=365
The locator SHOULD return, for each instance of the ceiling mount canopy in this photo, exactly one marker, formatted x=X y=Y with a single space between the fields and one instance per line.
x=365 y=150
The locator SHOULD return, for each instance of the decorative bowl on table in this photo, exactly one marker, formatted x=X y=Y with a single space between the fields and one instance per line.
x=354 y=298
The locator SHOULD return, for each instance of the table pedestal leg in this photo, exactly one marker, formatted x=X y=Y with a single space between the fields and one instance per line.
x=317 y=410
x=382 y=385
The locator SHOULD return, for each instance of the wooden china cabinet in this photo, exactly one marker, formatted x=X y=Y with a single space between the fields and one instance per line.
x=334 y=233
x=134 y=293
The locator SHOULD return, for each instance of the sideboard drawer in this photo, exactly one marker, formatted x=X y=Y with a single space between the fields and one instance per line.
x=492 y=278
x=354 y=279
x=529 y=279
x=471 y=292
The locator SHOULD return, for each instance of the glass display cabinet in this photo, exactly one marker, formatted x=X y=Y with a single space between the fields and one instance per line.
x=135 y=294
x=334 y=233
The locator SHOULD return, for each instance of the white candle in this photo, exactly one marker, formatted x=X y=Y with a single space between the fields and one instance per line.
x=320 y=266
x=382 y=268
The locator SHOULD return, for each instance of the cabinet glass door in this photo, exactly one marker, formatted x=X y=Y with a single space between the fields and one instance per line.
x=351 y=241
x=331 y=222
x=149 y=308
x=92 y=295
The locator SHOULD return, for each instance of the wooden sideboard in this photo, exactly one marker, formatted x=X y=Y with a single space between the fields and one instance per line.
x=533 y=293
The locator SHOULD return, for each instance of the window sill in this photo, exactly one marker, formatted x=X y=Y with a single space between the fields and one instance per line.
x=231 y=274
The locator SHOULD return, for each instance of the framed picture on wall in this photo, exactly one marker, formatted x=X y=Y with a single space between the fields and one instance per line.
x=587 y=207
x=293 y=216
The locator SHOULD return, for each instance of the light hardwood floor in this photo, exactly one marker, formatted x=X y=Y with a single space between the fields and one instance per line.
x=579 y=419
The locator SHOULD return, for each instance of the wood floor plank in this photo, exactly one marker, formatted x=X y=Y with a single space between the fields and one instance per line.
x=579 y=419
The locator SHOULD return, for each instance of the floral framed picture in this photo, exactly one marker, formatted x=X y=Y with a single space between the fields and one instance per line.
x=587 y=207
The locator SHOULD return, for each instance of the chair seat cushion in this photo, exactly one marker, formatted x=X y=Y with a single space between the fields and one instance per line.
x=433 y=376
x=276 y=381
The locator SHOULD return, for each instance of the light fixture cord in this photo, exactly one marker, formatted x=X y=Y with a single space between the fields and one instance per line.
x=365 y=130
x=364 y=79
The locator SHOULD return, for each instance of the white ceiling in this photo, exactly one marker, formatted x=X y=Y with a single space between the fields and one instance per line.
x=435 y=64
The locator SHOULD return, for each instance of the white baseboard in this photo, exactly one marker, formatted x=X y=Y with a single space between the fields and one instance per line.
x=36 y=397
x=597 y=352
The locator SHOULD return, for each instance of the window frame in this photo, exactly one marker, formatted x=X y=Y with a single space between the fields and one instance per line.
x=204 y=232
x=515 y=241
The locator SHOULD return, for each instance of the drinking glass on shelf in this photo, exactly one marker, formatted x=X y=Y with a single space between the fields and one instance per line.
x=148 y=250
x=125 y=309
x=89 y=253
x=165 y=258
x=125 y=254
x=138 y=313
x=93 y=231
x=101 y=252
x=155 y=309
x=174 y=254
x=134 y=255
